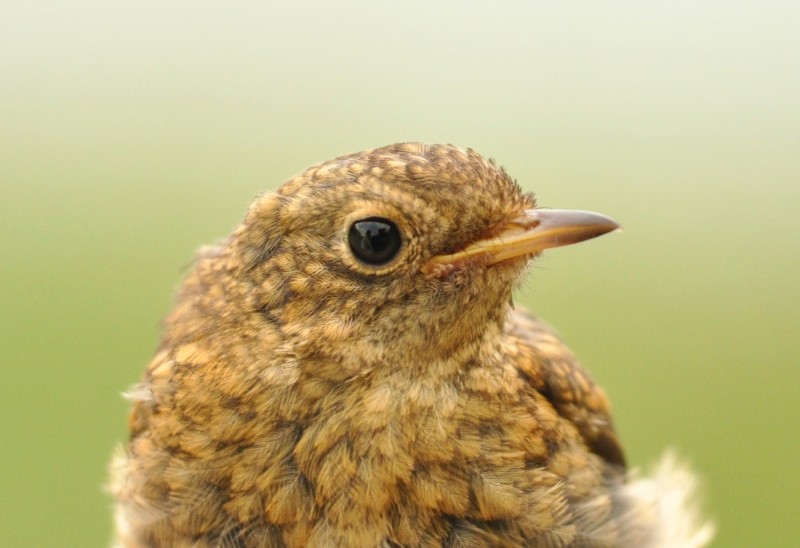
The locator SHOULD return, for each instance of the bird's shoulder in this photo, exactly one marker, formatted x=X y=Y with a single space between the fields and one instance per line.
x=545 y=361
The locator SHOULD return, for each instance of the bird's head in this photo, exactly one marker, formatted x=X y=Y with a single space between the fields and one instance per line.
x=406 y=250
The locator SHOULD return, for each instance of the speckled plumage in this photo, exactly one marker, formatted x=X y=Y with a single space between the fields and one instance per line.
x=302 y=398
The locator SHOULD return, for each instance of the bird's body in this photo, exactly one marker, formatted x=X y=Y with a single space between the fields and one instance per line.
x=313 y=389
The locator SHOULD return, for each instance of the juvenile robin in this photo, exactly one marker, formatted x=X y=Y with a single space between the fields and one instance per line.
x=346 y=369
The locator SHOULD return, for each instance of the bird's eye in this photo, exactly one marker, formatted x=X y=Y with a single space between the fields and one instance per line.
x=374 y=240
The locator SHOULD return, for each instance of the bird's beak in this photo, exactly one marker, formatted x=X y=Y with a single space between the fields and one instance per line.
x=527 y=234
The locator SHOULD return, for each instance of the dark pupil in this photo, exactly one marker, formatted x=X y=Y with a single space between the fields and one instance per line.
x=375 y=240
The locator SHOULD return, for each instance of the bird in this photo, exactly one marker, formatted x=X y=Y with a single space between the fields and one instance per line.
x=348 y=368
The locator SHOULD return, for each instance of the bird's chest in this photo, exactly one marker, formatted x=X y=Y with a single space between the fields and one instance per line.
x=406 y=458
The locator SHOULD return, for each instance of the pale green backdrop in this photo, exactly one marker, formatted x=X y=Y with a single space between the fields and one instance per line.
x=133 y=132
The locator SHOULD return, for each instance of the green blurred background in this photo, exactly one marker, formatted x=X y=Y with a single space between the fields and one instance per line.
x=132 y=133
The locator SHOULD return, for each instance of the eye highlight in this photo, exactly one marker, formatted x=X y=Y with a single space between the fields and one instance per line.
x=374 y=240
